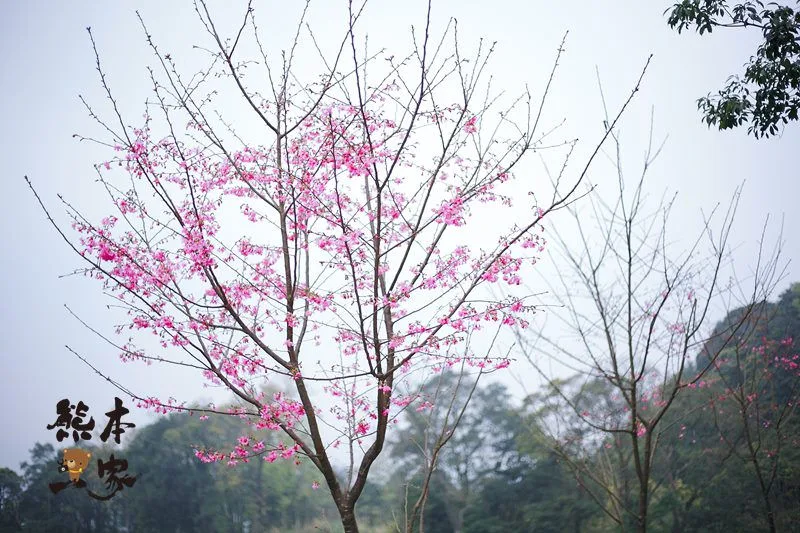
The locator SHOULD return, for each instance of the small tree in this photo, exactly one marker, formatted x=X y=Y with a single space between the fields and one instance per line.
x=753 y=402
x=429 y=448
x=637 y=311
x=336 y=250
x=734 y=437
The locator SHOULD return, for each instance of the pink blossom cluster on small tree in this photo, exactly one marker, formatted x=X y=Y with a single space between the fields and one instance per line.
x=332 y=254
x=755 y=395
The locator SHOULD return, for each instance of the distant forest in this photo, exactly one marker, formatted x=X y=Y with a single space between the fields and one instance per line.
x=728 y=460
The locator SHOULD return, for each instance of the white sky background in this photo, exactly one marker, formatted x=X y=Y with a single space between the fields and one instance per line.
x=48 y=61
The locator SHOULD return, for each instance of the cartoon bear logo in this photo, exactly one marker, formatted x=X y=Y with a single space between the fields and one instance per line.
x=75 y=461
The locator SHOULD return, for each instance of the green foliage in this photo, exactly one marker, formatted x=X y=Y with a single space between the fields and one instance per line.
x=708 y=466
x=766 y=95
x=501 y=471
x=174 y=491
x=481 y=443
x=253 y=496
x=10 y=492
x=531 y=495
x=70 y=511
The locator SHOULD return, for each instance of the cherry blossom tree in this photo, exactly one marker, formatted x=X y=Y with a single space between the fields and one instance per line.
x=753 y=400
x=331 y=242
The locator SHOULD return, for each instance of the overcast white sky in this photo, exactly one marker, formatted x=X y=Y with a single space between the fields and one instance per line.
x=47 y=62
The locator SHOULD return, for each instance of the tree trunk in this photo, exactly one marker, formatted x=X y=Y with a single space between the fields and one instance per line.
x=348 y=517
x=770 y=514
x=765 y=496
x=762 y=483
x=641 y=521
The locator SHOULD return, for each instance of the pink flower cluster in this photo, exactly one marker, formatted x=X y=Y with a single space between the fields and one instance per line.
x=345 y=237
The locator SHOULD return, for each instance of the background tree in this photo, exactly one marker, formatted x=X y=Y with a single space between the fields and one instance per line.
x=176 y=492
x=766 y=96
x=533 y=488
x=10 y=491
x=72 y=510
